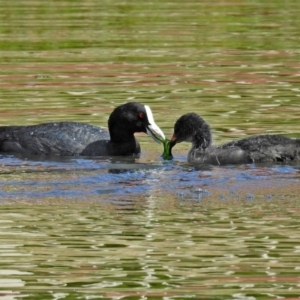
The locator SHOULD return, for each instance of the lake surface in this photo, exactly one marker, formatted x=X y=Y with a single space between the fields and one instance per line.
x=145 y=228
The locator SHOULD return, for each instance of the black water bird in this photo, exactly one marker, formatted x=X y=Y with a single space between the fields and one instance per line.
x=74 y=138
x=255 y=149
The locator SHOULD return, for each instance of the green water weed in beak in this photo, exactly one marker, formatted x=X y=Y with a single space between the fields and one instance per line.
x=167 y=155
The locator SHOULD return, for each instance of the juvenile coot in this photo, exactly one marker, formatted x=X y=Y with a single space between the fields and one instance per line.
x=73 y=138
x=261 y=148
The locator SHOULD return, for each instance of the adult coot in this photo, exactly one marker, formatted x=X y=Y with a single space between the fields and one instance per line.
x=73 y=138
x=262 y=148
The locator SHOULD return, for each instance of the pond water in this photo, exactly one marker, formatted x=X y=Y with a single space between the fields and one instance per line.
x=145 y=228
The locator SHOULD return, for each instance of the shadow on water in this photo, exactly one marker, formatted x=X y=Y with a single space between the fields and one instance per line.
x=125 y=178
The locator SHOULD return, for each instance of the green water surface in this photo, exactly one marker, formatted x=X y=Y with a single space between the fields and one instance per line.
x=234 y=62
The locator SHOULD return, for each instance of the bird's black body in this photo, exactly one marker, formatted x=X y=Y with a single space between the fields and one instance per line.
x=58 y=138
x=256 y=149
x=74 y=138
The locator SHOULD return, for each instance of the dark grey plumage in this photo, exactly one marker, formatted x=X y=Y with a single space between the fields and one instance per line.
x=262 y=148
x=59 y=138
x=74 y=138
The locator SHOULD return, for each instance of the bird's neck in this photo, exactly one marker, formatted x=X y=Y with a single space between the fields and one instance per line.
x=125 y=148
x=120 y=134
x=202 y=138
x=123 y=141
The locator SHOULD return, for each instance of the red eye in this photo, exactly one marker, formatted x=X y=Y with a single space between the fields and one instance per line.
x=141 y=115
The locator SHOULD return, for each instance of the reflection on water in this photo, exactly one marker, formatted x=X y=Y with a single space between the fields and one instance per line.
x=142 y=228
x=76 y=227
x=147 y=228
x=237 y=251
x=119 y=178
